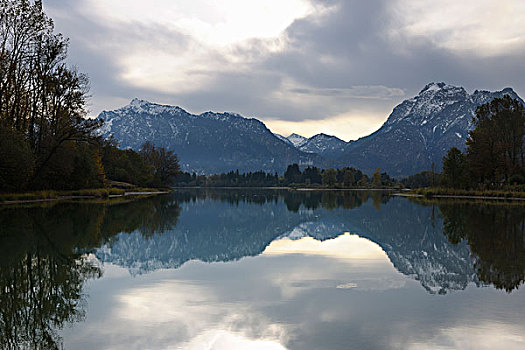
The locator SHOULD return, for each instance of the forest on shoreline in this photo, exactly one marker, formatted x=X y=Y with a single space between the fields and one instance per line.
x=46 y=140
x=48 y=143
x=311 y=177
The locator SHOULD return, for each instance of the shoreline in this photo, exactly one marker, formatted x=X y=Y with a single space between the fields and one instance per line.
x=73 y=197
x=285 y=188
x=147 y=192
x=450 y=196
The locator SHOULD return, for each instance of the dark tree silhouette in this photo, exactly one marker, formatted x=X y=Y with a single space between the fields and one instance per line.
x=454 y=169
x=495 y=147
x=496 y=236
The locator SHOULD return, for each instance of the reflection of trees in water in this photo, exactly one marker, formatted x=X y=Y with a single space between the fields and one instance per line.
x=496 y=236
x=332 y=199
x=43 y=270
x=149 y=216
x=39 y=294
x=294 y=200
x=41 y=276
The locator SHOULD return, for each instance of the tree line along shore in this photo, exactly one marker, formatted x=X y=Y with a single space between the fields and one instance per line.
x=48 y=145
x=46 y=140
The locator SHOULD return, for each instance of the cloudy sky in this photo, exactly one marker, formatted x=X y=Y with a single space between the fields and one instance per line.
x=305 y=66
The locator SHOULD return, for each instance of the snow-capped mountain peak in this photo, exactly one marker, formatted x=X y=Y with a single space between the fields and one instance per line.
x=296 y=139
x=432 y=100
x=424 y=127
x=434 y=86
x=138 y=102
x=284 y=139
x=139 y=106
x=206 y=143
x=417 y=133
x=323 y=144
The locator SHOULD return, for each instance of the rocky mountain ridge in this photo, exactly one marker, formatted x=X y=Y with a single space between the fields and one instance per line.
x=421 y=130
x=417 y=134
x=205 y=143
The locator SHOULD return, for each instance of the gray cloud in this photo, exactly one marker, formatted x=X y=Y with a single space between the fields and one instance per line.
x=351 y=59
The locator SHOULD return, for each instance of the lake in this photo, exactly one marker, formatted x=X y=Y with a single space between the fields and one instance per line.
x=263 y=269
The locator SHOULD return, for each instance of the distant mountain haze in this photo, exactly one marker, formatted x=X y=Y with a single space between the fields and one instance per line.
x=417 y=133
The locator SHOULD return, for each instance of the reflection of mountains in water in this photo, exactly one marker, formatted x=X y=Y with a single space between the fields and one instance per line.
x=227 y=230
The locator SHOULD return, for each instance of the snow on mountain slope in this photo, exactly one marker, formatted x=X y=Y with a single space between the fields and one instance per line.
x=324 y=145
x=418 y=133
x=297 y=140
x=420 y=130
x=206 y=143
x=283 y=138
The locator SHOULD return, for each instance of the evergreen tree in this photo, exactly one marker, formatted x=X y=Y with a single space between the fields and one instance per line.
x=313 y=174
x=454 y=169
x=329 y=177
x=495 y=147
x=376 y=178
x=293 y=174
x=363 y=182
x=348 y=178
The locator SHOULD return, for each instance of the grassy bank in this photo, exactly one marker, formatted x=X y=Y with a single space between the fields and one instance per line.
x=451 y=192
x=299 y=187
x=500 y=202
x=86 y=193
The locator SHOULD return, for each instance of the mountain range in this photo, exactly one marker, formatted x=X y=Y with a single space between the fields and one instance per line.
x=205 y=143
x=417 y=134
x=420 y=130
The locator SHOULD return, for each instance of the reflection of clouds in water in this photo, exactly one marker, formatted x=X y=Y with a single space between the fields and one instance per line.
x=347 y=254
x=204 y=318
x=346 y=246
x=233 y=305
x=481 y=337
x=310 y=296
x=221 y=340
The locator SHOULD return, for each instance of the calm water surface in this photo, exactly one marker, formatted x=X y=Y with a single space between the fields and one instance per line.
x=254 y=269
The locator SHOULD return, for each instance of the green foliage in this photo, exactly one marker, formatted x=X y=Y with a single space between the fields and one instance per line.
x=125 y=165
x=311 y=177
x=42 y=106
x=495 y=147
x=293 y=175
x=425 y=178
x=72 y=166
x=363 y=182
x=517 y=179
x=455 y=171
x=495 y=153
x=16 y=161
x=348 y=178
x=376 y=178
x=508 y=193
x=233 y=179
x=151 y=167
x=164 y=164
x=329 y=177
